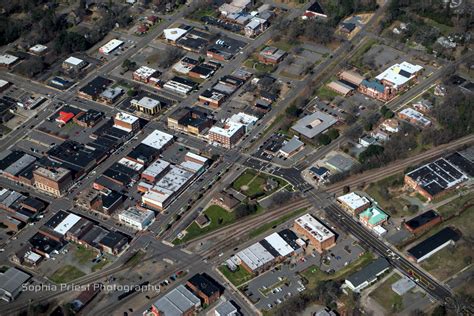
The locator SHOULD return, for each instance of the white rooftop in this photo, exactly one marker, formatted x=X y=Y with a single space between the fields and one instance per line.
x=174 y=34
x=228 y=130
x=191 y=166
x=38 y=48
x=174 y=179
x=147 y=103
x=67 y=223
x=255 y=256
x=415 y=115
x=111 y=46
x=137 y=215
x=3 y=83
x=156 y=168
x=243 y=118
x=399 y=74
x=73 y=61
x=145 y=71
x=279 y=244
x=314 y=227
x=131 y=164
x=157 y=139
x=353 y=200
x=7 y=59
x=126 y=118
x=194 y=156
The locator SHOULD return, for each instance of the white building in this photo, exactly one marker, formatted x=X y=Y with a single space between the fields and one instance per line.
x=245 y=119
x=178 y=87
x=279 y=244
x=147 y=105
x=155 y=170
x=399 y=74
x=158 y=140
x=353 y=202
x=126 y=122
x=38 y=49
x=7 y=60
x=174 y=34
x=66 y=224
x=74 y=63
x=137 y=219
x=111 y=46
x=414 y=117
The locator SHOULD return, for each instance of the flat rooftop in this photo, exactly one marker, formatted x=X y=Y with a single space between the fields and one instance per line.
x=314 y=227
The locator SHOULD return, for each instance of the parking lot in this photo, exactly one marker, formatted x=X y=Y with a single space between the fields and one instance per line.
x=282 y=282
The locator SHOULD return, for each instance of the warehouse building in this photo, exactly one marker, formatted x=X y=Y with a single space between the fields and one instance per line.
x=428 y=247
x=177 y=302
x=435 y=178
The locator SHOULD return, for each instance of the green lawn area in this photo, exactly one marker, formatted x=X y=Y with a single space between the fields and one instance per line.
x=445 y=29
x=253 y=63
x=254 y=183
x=325 y=93
x=268 y=226
x=448 y=261
x=83 y=255
x=389 y=202
x=284 y=45
x=219 y=218
x=386 y=297
x=237 y=277
x=197 y=15
x=66 y=274
x=456 y=205
x=314 y=275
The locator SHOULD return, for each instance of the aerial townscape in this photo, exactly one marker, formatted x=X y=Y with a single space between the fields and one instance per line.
x=236 y=157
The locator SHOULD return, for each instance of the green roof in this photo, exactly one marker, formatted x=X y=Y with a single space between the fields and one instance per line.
x=375 y=215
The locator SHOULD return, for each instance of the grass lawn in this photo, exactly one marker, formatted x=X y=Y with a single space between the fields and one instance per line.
x=255 y=183
x=314 y=275
x=456 y=205
x=237 y=277
x=284 y=45
x=325 y=93
x=390 y=203
x=66 y=274
x=445 y=29
x=244 y=179
x=386 y=297
x=253 y=63
x=83 y=254
x=448 y=261
x=197 y=15
x=268 y=226
x=219 y=218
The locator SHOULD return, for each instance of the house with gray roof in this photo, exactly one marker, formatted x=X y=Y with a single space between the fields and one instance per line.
x=367 y=275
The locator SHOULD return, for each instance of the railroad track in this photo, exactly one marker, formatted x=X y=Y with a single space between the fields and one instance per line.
x=380 y=173
x=239 y=227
